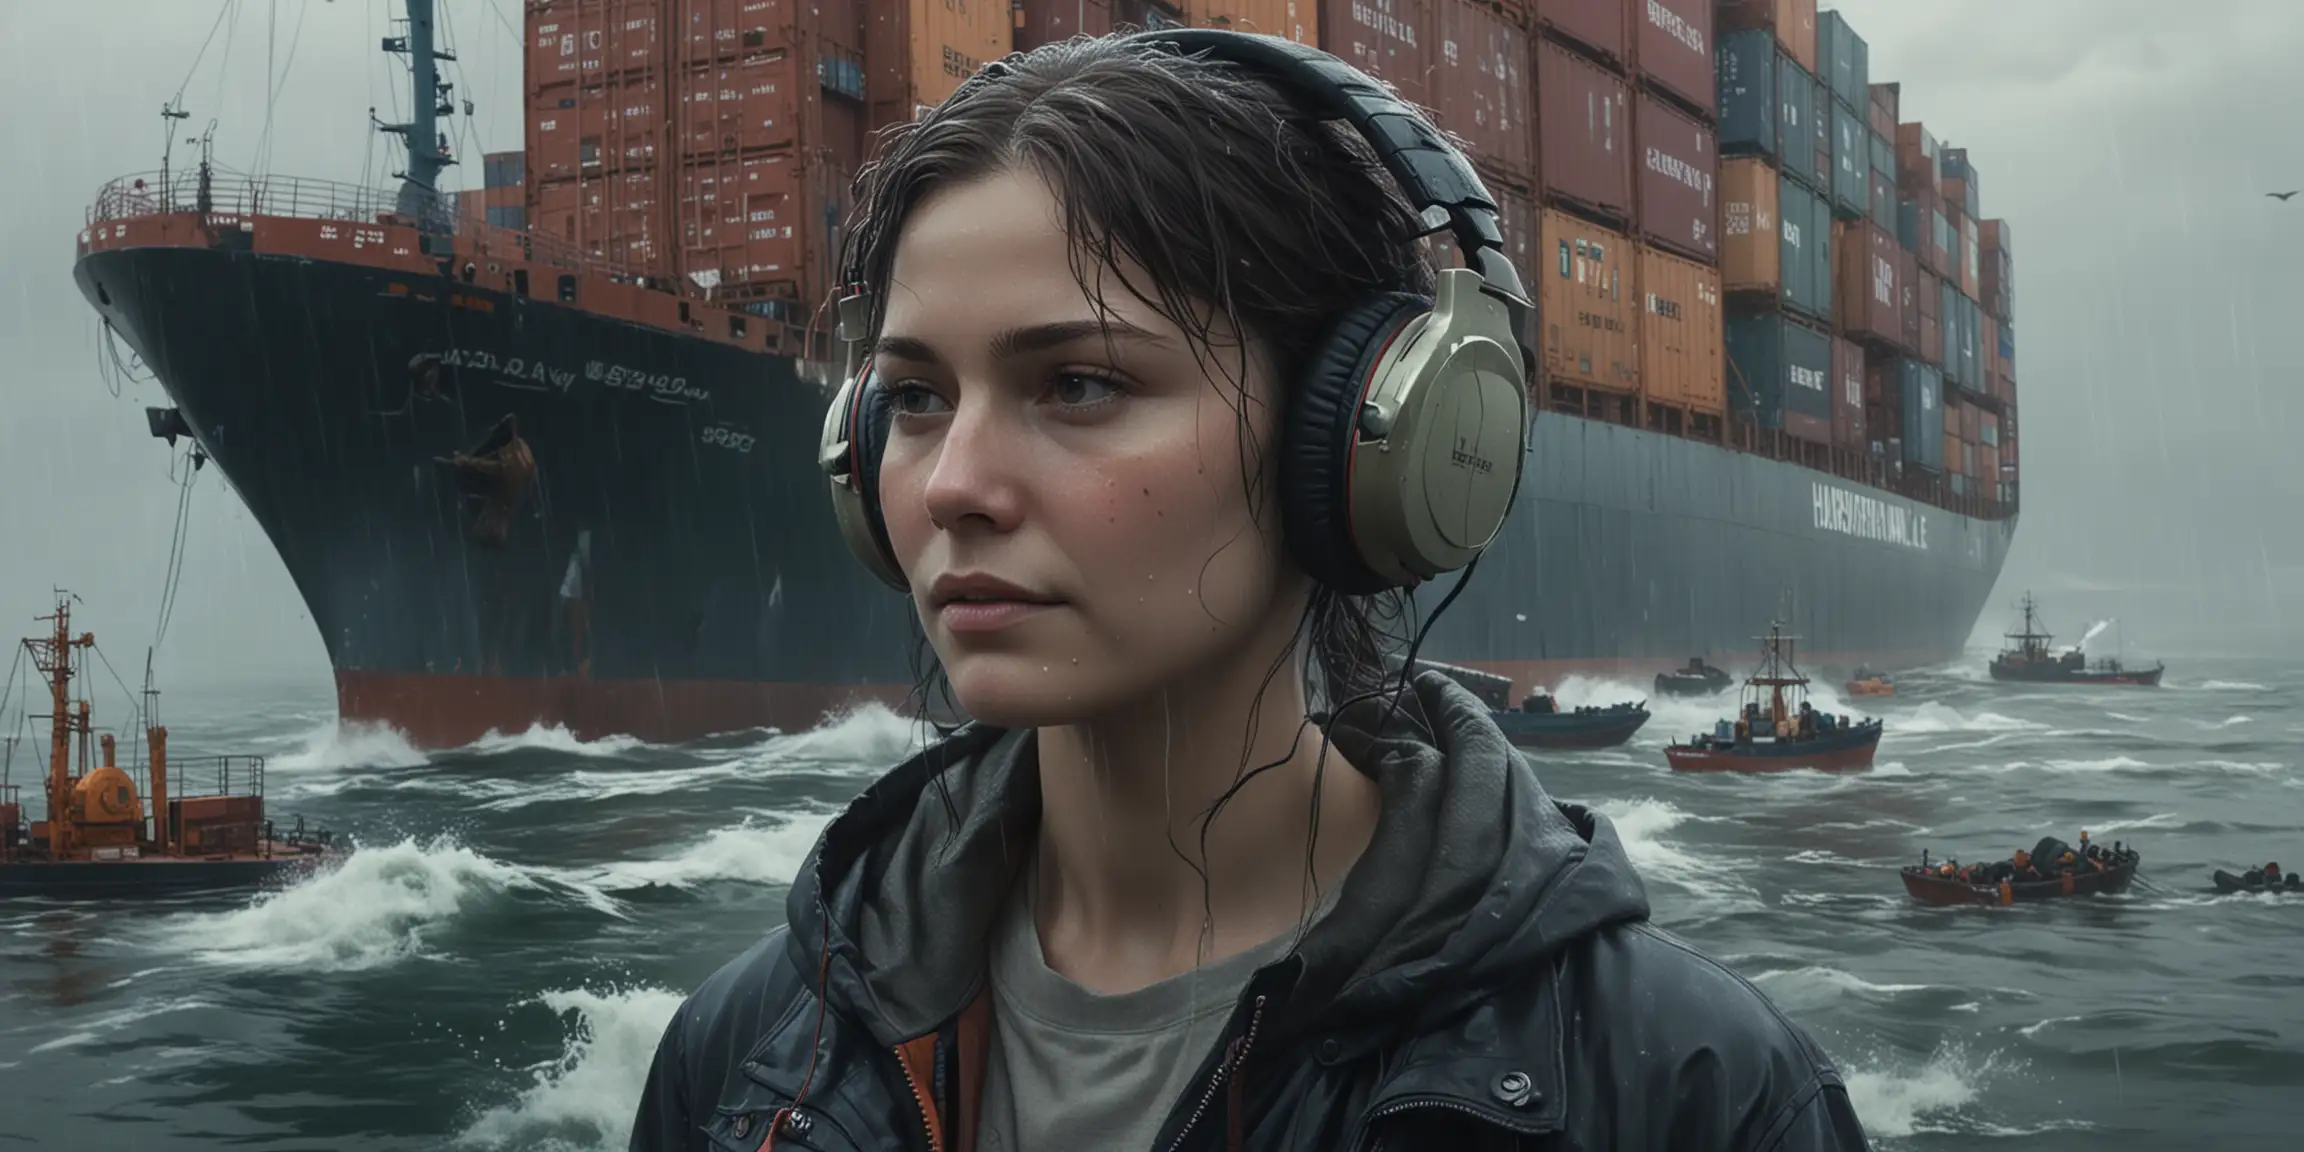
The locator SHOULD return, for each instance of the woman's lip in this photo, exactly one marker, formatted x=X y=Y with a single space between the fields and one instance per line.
x=977 y=616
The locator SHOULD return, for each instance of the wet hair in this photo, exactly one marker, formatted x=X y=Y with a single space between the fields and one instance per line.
x=1244 y=216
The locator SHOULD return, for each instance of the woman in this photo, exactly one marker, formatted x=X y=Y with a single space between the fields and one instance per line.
x=1152 y=899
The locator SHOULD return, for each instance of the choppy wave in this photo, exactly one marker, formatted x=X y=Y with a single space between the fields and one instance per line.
x=583 y=1099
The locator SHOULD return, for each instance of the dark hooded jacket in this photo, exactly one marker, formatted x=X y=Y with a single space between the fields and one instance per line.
x=1487 y=979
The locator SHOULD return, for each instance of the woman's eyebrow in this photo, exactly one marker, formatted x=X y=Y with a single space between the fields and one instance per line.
x=1016 y=342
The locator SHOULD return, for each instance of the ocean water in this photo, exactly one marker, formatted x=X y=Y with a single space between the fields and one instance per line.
x=492 y=966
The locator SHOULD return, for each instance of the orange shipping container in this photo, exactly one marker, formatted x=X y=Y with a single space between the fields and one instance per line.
x=595 y=129
x=742 y=106
x=731 y=29
x=1482 y=82
x=1679 y=333
x=918 y=52
x=1040 y=22
x=747 y=231
x=1297 y=20
x=1752 y=250
x=1587 y=301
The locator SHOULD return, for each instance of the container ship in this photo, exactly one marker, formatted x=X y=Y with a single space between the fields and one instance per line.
x=541 y=451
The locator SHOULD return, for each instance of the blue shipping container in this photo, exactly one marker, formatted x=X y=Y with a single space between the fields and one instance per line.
x=1796 y=212
x=1948 y=315
x=1820 y=258
x=1821 y=119
x=1971 y=345
x=1796 y=121
x=1851 y=164
x=1844 y=59
x=1923 y=389
x=1787 y=366
x=2008 y=350
x=513 y=216
x=1746 y=71
x=1908 y=226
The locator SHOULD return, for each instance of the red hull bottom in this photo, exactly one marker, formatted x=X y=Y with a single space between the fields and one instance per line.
x=1856 y=759
x=447 y=711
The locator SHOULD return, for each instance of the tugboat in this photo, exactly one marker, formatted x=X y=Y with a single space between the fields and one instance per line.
x=1777 y=730
x=1697 y=679
x=1539 y=723
x=98 y=840
x=1866 y=682
x=2030 y=660
x=2053 y=870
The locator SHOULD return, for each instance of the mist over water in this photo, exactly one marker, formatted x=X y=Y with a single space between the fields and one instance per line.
x=493 y=966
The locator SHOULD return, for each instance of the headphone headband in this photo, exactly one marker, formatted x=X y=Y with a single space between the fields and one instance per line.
x=1428 y=170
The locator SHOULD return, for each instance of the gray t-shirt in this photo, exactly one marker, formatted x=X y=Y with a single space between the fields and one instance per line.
x=1072 y=1069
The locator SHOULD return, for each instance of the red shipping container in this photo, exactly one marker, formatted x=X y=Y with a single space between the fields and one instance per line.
x=1988 y=354
x=744 y=106
x=1385 y=39
x=1480 y=78
x=732 y=29
x=1924 y=203
x=1930 y=300
x=1888 y=98
x=1586 y=132
x=1793 y=21
x=1672 y=50
x=748 y=228
x=1881 y=118
x=917 y=52
x=1996 y=290
x=1598 y=25
x=1041 y=22
x=1586 y=301
x=1915 y=159
x=1848 y=429
x=1868 y=298
x=1297 y=20
x=1678 y=173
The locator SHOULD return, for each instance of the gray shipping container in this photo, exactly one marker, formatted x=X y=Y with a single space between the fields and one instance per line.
x=1851 y=165
x=1843 y=59
x=1796 y=136
x=1923 y=389
x=1746 y=63
x=1787 y=365
x=1805 y=256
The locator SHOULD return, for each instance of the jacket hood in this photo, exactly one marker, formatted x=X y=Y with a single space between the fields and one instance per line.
x=1473 y=874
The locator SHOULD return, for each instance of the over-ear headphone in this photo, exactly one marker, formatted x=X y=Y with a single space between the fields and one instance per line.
x=1404 y=438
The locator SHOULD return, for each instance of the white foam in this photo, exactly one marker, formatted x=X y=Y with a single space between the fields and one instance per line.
x=747 y=853
x=376 y=908
x=1641 y=825
x=585 y=1098
x=114 y=1021
x=553 y=738
x=1895 y=1100
x=336 y=746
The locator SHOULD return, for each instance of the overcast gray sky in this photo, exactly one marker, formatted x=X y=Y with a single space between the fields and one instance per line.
x=2129 y=149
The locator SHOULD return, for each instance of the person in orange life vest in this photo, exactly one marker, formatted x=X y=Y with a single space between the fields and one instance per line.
x=1135 y=314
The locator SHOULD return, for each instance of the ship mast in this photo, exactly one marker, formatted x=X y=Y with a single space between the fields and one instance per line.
x=427 y=146
x=53 y=656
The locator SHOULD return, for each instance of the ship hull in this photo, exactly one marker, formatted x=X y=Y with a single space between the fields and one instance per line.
x=2051 y=674
x=674 y=570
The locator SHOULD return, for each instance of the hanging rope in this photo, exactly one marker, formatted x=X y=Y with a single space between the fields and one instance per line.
x=176 y=551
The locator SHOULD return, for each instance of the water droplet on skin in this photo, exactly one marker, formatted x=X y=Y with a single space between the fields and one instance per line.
x=1075 y=660
x=1043 y=667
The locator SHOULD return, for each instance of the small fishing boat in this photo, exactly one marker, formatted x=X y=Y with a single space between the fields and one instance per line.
x=1697 y=679
x=1866 y=682
x=1777 y=730
x=2032 y=660
x=2266 y=879
x=98 y=839
x=1539 y=723
x=2093 y=872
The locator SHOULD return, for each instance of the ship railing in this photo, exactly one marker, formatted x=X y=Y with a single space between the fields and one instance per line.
x=145 y=194
x=238 y=775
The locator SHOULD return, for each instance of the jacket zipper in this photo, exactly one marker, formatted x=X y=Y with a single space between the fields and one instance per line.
x=1233 y=1059
x=1369 y=1139
x=927 y=1118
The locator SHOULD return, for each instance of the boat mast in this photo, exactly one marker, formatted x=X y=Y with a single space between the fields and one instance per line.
x=428 y=152
x=53 y=656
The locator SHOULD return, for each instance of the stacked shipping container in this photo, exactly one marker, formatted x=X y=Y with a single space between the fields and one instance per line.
x=1715 y=227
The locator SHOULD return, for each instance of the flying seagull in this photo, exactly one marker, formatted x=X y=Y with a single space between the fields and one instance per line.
x=2283 y=196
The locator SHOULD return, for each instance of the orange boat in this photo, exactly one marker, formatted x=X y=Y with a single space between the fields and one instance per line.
x=98 y=840
x=1869 y=683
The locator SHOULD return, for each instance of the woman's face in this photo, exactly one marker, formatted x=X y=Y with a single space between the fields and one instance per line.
x=1065 y=491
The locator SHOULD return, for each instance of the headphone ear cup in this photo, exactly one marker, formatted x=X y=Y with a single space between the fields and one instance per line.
x=1318 y=434
x=875 y=411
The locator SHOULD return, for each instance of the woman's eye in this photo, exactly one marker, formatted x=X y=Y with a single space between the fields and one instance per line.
x=914 y=400
x=1081 y=390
